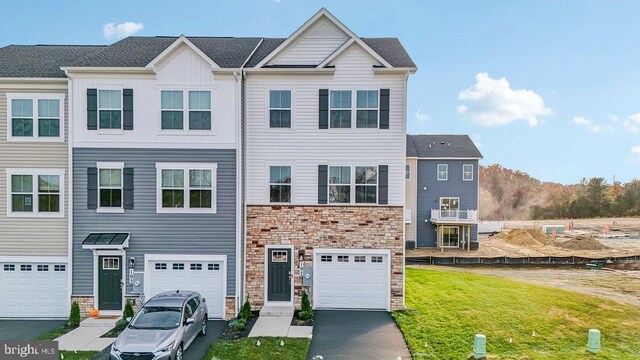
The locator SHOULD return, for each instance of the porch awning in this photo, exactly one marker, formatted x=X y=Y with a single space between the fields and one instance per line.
x=106 y=241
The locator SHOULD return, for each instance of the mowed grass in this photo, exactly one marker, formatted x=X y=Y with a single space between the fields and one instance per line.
x=453 y=307
x=269 y=349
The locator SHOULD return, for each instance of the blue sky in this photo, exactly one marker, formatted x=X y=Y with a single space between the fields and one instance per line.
x=547 y=87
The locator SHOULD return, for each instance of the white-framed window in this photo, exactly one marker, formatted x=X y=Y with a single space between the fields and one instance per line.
x=339 y=184
x=376 y=259
x=340 y=109
x=449 y=203
x=280 y=184
x=359 y=258
x=35 y=117
x=443 y=172
x=43 y=267
x=367 y=109
x=110 y=186
x=109 y=109
x=467 y=172
x=35 y=192
x=59 y=268
x=343 y=258
x=161 y=266
x=450 y=236
x=25 y=267
x=362 y=188
x=9 y=267
x=199 y=110
x=407 y=172
x=186 y=187
x=279 y=256
x=172 y=110
x=366 y=184
x=195 y=266
x=177 y=266
x=213 y=266
x=280 y=108
x=326 y=258
x=111 y=263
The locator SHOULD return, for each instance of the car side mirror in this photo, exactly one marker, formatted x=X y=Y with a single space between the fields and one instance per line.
x=189 y=321
x=128 y=320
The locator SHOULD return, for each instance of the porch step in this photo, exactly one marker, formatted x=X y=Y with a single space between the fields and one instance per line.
x=277 y=311
x=91 y=322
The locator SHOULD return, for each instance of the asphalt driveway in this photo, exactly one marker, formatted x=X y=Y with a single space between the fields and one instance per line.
x=198 y=347
x=356 y=335
x=26 y=329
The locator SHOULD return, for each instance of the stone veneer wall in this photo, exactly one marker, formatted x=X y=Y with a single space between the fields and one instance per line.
x=86 y=304
x=309 y=227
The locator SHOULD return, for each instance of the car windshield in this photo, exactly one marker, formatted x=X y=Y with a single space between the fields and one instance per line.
x=157 y=317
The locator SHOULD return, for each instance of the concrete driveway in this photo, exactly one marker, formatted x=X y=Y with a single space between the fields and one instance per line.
x=198 y=347
x=356 y=335
x=26 y=329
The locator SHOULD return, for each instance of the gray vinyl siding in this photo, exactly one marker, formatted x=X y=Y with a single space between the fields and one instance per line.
x=467 y=191
x=152 y=233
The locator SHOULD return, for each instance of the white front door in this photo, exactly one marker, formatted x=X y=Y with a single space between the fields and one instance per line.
x=204 y=276
x=351 y=280
x=34 y=290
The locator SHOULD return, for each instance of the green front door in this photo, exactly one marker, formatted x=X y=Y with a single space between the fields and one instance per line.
x=279 y=275
x=109 y=283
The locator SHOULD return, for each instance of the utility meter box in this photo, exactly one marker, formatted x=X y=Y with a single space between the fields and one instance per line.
x=138 y=282
x=307 y=276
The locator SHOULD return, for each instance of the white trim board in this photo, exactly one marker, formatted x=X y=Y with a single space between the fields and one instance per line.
x=266 y=275
x=96 y=282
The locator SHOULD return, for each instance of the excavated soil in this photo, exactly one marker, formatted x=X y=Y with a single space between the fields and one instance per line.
x=527 y=238
x=583 y=242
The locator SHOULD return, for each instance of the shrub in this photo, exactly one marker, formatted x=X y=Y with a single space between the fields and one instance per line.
x=305 y=307
x=128 y=310
x=239 y=325
x=245 y=312
x=74 y=315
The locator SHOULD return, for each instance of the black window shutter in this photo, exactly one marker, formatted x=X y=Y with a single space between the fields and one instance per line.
x=92 y=109
x=322 y=184
x=324 y=109
x=383 y=184
x=92 y=188
x=384 y=108
x=127 y=175
x=127 y=109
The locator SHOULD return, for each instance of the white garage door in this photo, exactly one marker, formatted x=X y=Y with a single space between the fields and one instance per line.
x=34 y=290
x=351 y=280
x=205 y=277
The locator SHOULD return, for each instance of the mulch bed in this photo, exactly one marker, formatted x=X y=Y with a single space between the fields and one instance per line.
x=232 y=334
x=119 y=328
x=297 y=321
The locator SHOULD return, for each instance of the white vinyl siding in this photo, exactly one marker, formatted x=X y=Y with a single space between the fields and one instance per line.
x=306 y=146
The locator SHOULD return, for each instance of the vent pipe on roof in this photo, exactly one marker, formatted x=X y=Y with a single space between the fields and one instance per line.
x=429 y=146
x=449 y=144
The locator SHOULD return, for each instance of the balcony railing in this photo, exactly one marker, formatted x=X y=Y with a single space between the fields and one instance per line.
x=455 y=216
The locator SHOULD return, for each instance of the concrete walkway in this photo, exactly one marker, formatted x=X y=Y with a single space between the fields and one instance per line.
x=275 y=321
x=87 y=337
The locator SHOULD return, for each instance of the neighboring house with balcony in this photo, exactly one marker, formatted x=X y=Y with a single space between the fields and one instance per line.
x=325 y=154
x=155 y=128
x=34 y=198
x=442 y=191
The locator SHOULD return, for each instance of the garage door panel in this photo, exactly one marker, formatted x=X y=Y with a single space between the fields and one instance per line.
x=342 y=282
x=205 y=277
x=33 y=294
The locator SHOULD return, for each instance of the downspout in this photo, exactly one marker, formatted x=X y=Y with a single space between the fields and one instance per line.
x=404 y=197
x=242 y=245
x=69 y=192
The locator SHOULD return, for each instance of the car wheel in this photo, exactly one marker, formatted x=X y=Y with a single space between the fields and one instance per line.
x=179 y=353
x=203 y=332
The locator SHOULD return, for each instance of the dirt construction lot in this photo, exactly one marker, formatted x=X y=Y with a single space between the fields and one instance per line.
x=617 y=285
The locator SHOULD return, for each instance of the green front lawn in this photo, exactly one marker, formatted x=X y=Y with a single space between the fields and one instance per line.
x=453 y=307
x=77 y=355
x=269 y=349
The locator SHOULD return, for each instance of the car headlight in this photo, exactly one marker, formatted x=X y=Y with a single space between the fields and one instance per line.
x=114 y=348
x=167 y=348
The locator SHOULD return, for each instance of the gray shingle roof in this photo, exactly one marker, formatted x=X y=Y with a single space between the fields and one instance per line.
x=138 y=51
x=441 y=146
x=40 y=61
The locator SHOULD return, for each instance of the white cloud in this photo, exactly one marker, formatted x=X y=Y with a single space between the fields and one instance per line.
x=613 y=117
x=493 y=102
x=590 y=125
x=112 y=31
x=636 y=153
x=632 y=124
x=420 y=116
